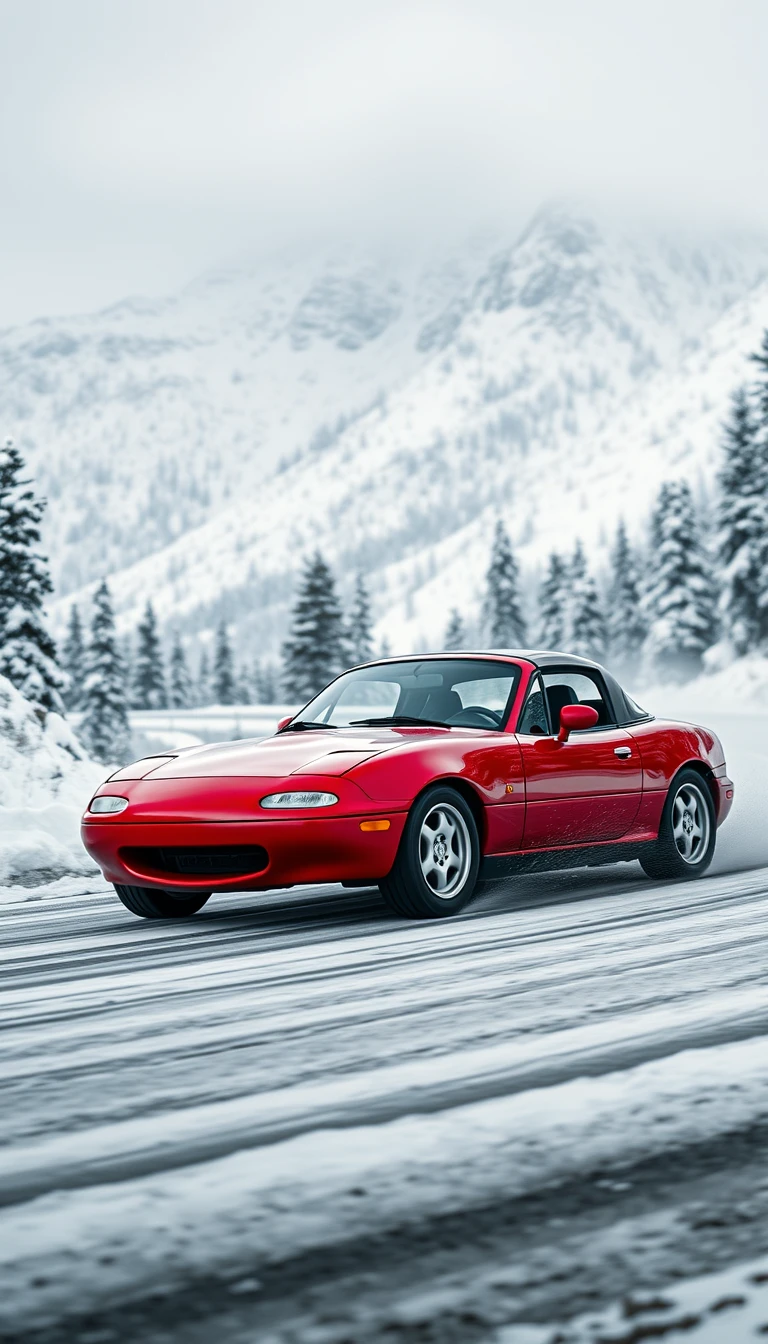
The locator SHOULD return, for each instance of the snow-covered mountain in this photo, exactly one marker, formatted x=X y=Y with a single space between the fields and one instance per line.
x=194 y=449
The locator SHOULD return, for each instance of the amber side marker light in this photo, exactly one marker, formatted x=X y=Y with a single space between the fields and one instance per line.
x=375 y=825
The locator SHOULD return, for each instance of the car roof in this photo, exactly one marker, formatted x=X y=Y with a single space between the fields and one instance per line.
x=539 y=657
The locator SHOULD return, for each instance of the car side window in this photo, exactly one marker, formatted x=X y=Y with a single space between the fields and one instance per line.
x=569 y=687
x=534 y=716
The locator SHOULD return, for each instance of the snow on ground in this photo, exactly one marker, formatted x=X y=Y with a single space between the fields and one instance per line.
x=288 y=1197
x=16 y=894
x=126 y=1046
x=46 y=780
x=737 y=686
x=714 y=1309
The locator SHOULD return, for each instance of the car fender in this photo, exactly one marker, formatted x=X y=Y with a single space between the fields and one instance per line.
x=666 y=747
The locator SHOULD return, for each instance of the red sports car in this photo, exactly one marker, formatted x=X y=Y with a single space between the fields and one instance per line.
x=423 y=776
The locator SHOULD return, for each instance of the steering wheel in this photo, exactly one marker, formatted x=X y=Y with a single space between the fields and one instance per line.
x=460 y=719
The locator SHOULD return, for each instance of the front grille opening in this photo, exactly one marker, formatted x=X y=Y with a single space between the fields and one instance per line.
x=216 y=861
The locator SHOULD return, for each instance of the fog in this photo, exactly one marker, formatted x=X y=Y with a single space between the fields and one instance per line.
x=145 y=139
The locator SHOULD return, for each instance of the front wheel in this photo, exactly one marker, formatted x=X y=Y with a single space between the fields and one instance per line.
x=435 y=872
x=687 y=832
x=151 y=904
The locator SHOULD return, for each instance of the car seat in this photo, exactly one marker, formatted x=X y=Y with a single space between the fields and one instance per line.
x=557 y=696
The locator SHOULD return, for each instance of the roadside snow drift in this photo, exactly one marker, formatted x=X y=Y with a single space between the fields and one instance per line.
x=46 y=780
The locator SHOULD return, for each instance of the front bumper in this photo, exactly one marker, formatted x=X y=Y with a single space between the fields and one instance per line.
x=306 y=849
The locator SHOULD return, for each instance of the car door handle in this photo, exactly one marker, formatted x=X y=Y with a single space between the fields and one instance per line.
x=623 y=752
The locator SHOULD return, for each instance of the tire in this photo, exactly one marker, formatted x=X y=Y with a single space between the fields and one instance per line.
x=439 y=852
x=680 y=852
x=151 y=904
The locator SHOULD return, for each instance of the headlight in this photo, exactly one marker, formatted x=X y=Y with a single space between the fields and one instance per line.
x=107 y=802
x=299 y=800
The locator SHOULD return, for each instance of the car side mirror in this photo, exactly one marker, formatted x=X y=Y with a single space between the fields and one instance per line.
x=574 y=717
x=283 y=723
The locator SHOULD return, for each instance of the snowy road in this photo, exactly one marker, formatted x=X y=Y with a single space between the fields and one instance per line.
x=295 y=1118
x=284 y=1075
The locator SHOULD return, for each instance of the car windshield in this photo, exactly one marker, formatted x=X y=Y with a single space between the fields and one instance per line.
x=450 y=692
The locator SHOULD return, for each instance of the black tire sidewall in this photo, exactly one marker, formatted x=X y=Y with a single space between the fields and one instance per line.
x=408 y=856
x=154 y=903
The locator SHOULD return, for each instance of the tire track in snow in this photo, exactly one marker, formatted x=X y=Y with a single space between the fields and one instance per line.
x=342 y=1016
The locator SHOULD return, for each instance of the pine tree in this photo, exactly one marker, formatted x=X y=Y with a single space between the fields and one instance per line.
x=743 y=533
x=503 y=617
x=681 y=600
x=587 y=636
x=266 y=683
x=223 y=668
x=553 y=599
x=315 y=650
x=181 y=695
x=203 y=689
x=73 y=660
x=104 y=728
x=244 y=688
x=359 y=632
x=149 y=690
x=760 y=358
x=27 y=651
x=626 y=621
x=455 y=637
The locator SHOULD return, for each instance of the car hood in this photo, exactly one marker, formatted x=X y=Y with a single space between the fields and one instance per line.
x=315 y=753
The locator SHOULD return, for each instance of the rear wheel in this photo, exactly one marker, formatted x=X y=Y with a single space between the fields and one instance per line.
x=435 y=872
x=152 y=904
x=687 y=833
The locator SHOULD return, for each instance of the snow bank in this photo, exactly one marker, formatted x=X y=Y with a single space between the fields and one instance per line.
x=45 y=781
x=733 y=687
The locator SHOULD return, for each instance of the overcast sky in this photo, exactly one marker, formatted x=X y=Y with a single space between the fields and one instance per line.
x=143 y=140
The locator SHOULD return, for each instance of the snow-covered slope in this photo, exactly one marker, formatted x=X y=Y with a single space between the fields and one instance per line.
x=148 y=418
x=46 y=780
x=384 y=413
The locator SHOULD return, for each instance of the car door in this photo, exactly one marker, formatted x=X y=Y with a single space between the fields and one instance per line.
x=587 y=789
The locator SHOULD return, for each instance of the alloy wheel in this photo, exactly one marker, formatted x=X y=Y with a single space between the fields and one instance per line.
x=690 y=823
x=445 y=850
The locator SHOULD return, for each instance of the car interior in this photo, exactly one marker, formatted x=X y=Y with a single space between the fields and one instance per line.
x=561 y=688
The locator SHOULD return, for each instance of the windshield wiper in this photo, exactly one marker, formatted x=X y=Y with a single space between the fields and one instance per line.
x=301 y=725
x=398 y=721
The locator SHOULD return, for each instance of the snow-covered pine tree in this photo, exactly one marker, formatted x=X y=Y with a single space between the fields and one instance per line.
x=180 y=682
x=455 y=636
x=244 y=688
x=315 y=650
x=203 y=687
x=587 y=636
x=104 y=728
x=626 y=621
x=27 y=651
x=73 y=660
x=266 y=683
x=149 y=690
x=553 y=603
x=681 y=598
x=503 y=620
x=359 y=630
x=223 y=667
x=760 y=358
x=743 y=531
